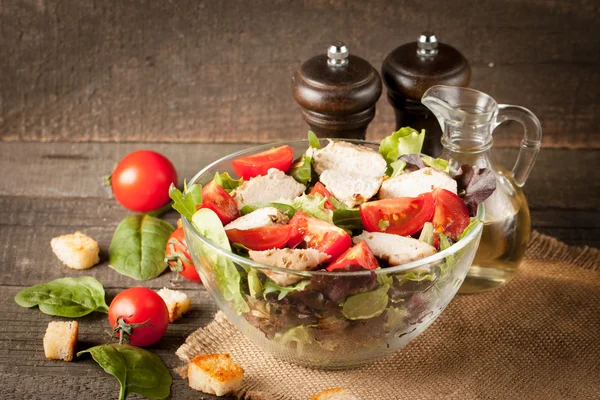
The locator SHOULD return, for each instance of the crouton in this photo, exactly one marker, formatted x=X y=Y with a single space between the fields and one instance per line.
x=177 y=302
x=215 y=374
x=60 y=340
x=335 y=394
x=77 y=251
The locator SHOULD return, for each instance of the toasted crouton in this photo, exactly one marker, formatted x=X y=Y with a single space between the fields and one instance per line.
x=77 y=251
x=177 y=302
x=60 y=340
x=334 y=394
x=215 y=374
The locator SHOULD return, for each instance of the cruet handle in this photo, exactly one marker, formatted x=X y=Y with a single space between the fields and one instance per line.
x=532 y=139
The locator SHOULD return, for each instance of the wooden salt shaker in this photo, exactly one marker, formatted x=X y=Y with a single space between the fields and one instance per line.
x=410 y=70
x=337 y=93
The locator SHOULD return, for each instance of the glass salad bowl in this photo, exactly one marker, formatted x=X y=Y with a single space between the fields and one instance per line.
x=329 y=320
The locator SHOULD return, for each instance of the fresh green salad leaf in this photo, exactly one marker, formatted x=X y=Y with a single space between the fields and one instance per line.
x=185 y=203
x=66 y=297
x=313 y=205
x=282 y=291
x=254 y=284
x=427 y=233
x=226 y=181
x=138 y=247
x=337 y=204
x=438 y=163
x=348 y=219
x=313 y=140
x=137 y=370
x=240 y=249
x=444 y=244
x=226 y=274
x=397 y=167
x=417 y=276
x=396 y=318
x=366 y=305
x=301 y=335
x=404 y=141
x=287 y=209
x=301 y=169
x=474 y=223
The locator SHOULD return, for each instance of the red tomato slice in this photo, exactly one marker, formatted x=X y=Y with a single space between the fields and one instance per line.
x=178 y=256
x=261 y=238
x=360 y=254
x=318 y=235
x=322 y=190
x=214 y=197
x=403 y=216
x=259 y=164
x=451 y=215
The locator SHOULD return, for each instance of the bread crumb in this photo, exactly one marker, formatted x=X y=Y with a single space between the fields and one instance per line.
x=77 y=251
x=60 y=340
x=335 y=394
x=177 y=302
x=215 y=374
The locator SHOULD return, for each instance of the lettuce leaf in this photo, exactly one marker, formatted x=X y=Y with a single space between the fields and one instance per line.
x=287 y=209
x=313 y=140
x=185 y=202
x=271 y=287
x=427 y=233
x=227 y=182
x=475 y=185
x=470 y=227
x=438 y=163
x=301 y=169
x=366 y=305
x=313 y=205
x=397 y=167
x=404 y=141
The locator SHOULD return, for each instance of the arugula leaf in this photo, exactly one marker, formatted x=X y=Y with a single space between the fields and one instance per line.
x=348 y=219
x=227 y=182
x=366 y=305
x=313 y=140
x=427 y=233
x=301 y=169
x=66 y=297
x=137 y=370
x=313 y=205
x=271 y=287
x=138 y=247
x=226 y=274
x=397 y=167
x=287 y=209
x=185 y=203
x=438 y=163
x=404 y=141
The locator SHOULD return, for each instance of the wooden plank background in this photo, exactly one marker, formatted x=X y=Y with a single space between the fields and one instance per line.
x=220 y=71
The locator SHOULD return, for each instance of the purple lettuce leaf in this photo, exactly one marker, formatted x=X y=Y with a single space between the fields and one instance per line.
x=413 y=162
x=475 y=185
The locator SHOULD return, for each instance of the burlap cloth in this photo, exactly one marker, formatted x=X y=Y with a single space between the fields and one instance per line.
x=536 y=338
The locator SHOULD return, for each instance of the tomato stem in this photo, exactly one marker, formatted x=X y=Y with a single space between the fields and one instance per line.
x=124 y=330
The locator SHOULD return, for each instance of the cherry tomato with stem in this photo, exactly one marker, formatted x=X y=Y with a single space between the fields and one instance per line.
x=178 y=257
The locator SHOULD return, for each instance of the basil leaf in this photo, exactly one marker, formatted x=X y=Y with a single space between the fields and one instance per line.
x=185 y=203
x=138 y=247
x=367 y=305
x=348 y=219
x=301 y=169
x=66 y=297
x=227 y=182
x=313 y=140
x=288 y=210
x=137 y=370
x=272 y=287
x=226 y=274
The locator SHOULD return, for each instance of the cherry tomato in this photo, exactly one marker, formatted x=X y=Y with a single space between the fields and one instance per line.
x=451 y=215
x=214 y=197
x=259 y=164
x=319 y=235
x=261 y=238
x=360 y=255
x=141 y=180
x=144 y=311
x=402 y=216
x=178 y=256
x=322 y=190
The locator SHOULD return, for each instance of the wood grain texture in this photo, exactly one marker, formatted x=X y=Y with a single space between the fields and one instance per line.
x=214 y=71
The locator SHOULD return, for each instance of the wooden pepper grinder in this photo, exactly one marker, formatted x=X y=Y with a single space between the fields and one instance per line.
x=410 y=70
x=337 y=92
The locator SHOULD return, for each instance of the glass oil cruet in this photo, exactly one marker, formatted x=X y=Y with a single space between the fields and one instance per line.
x=468 y=118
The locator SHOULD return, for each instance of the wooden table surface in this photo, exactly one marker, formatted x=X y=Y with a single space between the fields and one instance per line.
x=49 y=189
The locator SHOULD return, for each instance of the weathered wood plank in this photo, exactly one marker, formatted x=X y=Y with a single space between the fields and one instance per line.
x=220 y=71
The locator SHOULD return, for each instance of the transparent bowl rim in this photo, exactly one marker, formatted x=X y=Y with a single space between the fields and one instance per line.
x=455 y=248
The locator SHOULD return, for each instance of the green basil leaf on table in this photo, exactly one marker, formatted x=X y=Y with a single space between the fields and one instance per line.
x=226 y=274
x=287 y=209
x=138 y=247
x=137 y=370
x=227 y=182
x=282 y=291
x=185 y=202
x=366 y=305
x=313 y=140
x=66 y=297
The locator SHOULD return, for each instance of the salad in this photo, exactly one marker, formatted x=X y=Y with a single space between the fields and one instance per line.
x=337 y=209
